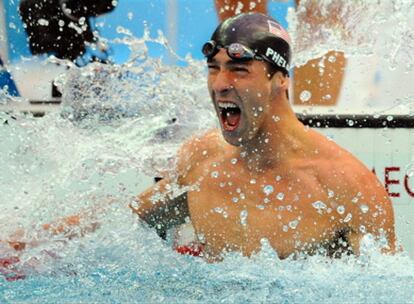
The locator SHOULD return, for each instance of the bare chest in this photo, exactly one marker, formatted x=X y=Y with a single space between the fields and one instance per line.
x=234 y=210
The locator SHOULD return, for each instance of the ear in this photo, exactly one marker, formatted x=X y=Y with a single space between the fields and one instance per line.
x=280 y=81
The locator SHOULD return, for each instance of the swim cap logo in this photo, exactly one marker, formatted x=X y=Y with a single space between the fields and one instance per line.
x=276 y=29
x=277 y=58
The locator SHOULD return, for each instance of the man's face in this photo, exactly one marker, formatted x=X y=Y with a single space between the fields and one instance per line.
x=242 y=93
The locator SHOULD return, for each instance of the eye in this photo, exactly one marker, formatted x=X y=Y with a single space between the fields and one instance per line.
x=240 y=69
x=212 y=66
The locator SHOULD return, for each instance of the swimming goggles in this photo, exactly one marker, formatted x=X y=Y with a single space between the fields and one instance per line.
x=235 y=51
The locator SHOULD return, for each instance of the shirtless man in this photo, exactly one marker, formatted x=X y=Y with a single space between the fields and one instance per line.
x=265 y=175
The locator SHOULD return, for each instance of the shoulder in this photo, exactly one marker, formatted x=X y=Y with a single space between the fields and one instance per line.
x=337 y=166
x=198 y=149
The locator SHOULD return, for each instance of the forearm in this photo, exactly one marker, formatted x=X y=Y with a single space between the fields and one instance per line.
x=161 y=208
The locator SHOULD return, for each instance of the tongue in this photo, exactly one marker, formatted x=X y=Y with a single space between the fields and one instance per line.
x=232 y=118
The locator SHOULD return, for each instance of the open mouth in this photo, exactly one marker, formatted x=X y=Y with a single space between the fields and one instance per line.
x=230 y=115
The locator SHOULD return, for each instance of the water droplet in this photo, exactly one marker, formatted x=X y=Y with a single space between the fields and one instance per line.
x=354 y=200
x=222 y=184
x=363 y=229
x=327 y=97
x=293 y=224
x=332 y=58
x=331 y=194
x=253 y=181
x=278 y=178
x=350 y=123
x=135 y=204
x=204 y=152
x=305 y=95
x=218 y=210
x=259 y=94
x=364 y=208
x=261 y=207
x=280 y=196
x=260 y=109
x=234 y=161
x=268 y=189
x=214 y=174
x=266 y=200
x=242 y=196
x=390 y=117
x=319 y=205
x=276 y=118
x=43 y=22
x=285 y=228
x=238 y=190
x=348 y=218
x=235 y=200
x=340 y=209
x=243 y=217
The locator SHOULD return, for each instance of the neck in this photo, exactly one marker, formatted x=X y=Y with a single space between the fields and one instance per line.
x=275 y=141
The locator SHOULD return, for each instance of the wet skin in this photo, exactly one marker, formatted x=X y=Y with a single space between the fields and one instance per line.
x=267 y=178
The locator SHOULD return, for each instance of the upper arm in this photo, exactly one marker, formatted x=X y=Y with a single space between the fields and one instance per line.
x=373 y=212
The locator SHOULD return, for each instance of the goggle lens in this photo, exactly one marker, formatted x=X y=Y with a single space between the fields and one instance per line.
x=235 y=51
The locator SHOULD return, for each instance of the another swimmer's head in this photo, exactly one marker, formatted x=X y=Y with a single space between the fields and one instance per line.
x=248 y=59
x=252 y=36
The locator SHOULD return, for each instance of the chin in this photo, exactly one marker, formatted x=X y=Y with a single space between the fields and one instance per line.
x=233 y=139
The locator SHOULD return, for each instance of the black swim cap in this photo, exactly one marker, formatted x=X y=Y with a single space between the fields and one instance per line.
x=258 y=32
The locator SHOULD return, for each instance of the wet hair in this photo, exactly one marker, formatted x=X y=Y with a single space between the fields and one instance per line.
x=260 y=33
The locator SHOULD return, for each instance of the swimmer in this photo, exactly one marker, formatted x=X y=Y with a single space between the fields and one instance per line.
x=265 y=175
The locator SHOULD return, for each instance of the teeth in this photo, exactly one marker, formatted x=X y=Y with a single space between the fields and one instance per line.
x=227 y=105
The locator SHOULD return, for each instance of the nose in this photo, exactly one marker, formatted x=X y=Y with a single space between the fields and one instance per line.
x=223 y=83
